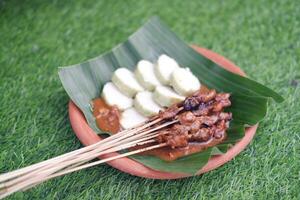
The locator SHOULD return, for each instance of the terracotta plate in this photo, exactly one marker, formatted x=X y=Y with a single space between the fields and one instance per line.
x=87 y=136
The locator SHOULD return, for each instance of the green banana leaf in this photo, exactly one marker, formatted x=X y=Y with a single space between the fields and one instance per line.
x=83 y=82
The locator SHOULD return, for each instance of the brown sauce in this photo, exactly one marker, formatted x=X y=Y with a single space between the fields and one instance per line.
x=107 y=117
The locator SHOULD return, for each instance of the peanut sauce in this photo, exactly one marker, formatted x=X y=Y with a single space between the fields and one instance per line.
x=107 y=117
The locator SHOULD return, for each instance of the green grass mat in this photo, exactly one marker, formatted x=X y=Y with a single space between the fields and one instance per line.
x=262 y=37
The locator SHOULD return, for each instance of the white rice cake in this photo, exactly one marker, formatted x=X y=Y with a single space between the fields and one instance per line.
x=131 y=118
x=114 y=97
x=145 y=104
x=165 y=96
x=164 y=68
x=145 y=75
x=126 y=82
x=184 y=81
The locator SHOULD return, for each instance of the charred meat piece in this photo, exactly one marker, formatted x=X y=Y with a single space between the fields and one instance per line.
x=218 y=106
x=222 y=96
x=203 y=109
x=170 y=112
x=202 y=135
x=190 y=103
x=221 y=101
x=195 y=126
x=208 y=120
x=175 y=141
x=225 y=116
x=177 y=136
x=219 y=130
x=162 y=137
x=205 y=97
x=179 y=129
x=187 y=118
x=219 y=134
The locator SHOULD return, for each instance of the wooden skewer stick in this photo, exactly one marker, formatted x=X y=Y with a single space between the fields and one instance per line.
x=77 y=158
x=76 y=165
x=92 y=154
x=13 y=174
x=32 y=182
x=142 y=141
x=110 y=159
x=85 y=157
x=24 y=170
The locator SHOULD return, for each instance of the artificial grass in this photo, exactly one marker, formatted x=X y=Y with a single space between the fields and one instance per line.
x=36 y=37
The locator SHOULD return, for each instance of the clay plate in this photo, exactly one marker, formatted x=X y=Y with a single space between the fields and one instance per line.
x=87 y=136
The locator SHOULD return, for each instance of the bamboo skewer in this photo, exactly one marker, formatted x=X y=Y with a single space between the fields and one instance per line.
x=83 y=159
x=53 y=176
x=110 y=159
x=24 y=170
x=131 y=144
x=30 y=176
x=35 y=181
x=18 y=187
x=92 y=154
x=103 y=143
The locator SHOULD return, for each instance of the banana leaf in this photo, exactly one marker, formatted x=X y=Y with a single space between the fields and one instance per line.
x=83 y=82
